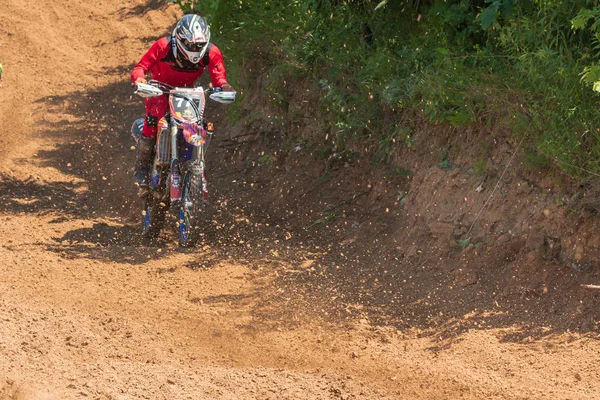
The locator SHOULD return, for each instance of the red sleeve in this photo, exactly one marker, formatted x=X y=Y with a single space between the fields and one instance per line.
x=216 y=67
x=157 y=51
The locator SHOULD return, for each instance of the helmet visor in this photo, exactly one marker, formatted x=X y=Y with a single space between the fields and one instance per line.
x=194 y=47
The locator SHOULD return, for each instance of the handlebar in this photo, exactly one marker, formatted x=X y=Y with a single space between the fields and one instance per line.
x=155 y=88
x=166 y=88
x=212 y=90
x=162 y=86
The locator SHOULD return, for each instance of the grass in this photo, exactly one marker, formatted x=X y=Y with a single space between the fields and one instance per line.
x=480 y=166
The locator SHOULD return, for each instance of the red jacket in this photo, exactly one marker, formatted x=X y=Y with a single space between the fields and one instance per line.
x=160 y=62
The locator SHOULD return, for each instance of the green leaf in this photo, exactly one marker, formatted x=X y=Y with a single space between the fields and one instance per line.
x=442 y=52
x=381 y=4
x=463 y=242
x=582 y=18
x=489 y=15
x=591 y=74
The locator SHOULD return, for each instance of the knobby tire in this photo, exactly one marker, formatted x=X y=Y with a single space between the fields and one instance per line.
x=192 y=207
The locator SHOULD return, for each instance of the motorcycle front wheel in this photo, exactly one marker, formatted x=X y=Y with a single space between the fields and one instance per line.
x=191 y=209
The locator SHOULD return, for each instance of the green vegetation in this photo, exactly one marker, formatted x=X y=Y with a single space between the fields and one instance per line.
x=479 y=166
x=464 y=243
x=265 y=159
x=529 y=65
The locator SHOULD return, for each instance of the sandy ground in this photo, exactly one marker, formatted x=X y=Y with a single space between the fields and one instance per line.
x=86 y=312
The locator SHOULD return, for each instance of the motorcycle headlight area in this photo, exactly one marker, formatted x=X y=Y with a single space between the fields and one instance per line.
x=185 y=108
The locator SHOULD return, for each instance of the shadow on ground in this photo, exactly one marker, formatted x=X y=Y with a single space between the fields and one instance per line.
x=367 y=281
x=150 y=5
x=34 y=197
x=92 y=146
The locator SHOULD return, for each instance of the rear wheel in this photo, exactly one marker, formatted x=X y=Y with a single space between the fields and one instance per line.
x=192 y=206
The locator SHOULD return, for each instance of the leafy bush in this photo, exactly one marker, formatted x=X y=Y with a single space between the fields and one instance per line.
x=529 y=63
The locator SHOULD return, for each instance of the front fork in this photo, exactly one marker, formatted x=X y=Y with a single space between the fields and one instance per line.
x=176 y=171
x=175 y=187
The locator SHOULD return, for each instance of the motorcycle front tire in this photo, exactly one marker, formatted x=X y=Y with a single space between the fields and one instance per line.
x=192 y=206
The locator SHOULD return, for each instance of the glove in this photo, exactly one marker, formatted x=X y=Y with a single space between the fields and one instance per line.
x=227 y=88
x=139 y=80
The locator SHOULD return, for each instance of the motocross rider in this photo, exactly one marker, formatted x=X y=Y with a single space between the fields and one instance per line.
x=177 y=60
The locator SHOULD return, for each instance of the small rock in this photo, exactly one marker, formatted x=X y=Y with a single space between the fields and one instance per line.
x=438 y=229
x=503 y=239
x=578 y=253
x=532 y=257
x=594 y=242
x=468 y=249
x=577 y=267
x=552 y=248
x=465 y=276
x=412 y=251
x=577 y=376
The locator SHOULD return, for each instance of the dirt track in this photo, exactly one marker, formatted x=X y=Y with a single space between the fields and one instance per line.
x=85 y=312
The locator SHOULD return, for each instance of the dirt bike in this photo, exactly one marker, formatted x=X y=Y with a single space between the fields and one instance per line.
x=177 y=178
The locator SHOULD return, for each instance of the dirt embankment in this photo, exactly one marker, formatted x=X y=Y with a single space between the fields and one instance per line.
x=459 y=224
x=316 y=278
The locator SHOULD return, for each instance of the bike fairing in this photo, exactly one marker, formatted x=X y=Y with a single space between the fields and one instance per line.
x=194 y=134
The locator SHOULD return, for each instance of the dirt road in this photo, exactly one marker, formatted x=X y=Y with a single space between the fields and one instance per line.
x=86 y=312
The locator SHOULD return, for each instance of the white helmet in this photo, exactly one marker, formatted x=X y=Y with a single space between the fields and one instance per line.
x=192 y=35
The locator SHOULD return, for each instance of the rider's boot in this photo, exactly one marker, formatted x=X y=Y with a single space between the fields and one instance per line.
x=143 y=162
